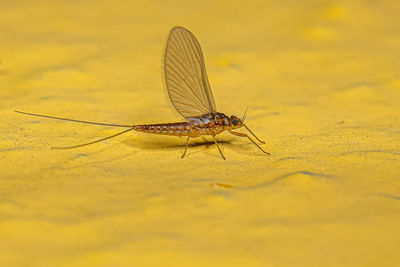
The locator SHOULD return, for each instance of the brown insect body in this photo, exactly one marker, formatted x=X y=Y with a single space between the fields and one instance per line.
x=206 y=124
x=190 y=93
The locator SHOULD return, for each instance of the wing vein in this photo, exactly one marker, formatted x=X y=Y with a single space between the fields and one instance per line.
x=190 y=60
x=182 y=68
x=185 y=75
x=183 y=80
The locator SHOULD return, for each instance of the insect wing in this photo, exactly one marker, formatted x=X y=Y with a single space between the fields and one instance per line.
x=185 y=75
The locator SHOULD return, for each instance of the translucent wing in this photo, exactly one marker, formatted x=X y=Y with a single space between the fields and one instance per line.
x=185 y=75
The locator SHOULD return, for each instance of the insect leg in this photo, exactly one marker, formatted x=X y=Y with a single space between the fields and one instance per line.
x=215 y=140
x=262 y=142
x=245 y=135
x=187 y=143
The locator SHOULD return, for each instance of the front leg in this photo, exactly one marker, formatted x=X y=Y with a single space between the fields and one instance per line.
x=245 y=126
x=245 y=135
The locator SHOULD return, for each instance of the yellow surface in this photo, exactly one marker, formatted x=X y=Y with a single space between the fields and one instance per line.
x=322 y=83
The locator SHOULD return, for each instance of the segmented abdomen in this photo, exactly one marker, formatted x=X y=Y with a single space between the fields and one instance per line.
x=207 y=124
x=178 y=129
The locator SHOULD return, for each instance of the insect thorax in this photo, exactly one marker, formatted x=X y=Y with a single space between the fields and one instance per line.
x=211 y=120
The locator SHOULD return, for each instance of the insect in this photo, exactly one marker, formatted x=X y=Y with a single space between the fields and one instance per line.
x=190 y=93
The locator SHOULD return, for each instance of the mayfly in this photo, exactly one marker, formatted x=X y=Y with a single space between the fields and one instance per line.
x=190 y=93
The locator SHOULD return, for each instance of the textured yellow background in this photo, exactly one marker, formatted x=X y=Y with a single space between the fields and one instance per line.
x=322 y=83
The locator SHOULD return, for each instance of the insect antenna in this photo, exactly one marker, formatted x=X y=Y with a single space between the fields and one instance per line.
x=93 y=142
x=245 y=114
x=64 y=119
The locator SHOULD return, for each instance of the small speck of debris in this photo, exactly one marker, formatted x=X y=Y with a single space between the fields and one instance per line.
x=218 y=185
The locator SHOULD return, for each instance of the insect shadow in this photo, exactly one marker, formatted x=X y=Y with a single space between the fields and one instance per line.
x=166 y=143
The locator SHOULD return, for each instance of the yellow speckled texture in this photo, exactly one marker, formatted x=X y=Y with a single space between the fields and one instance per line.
x=322 y=83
